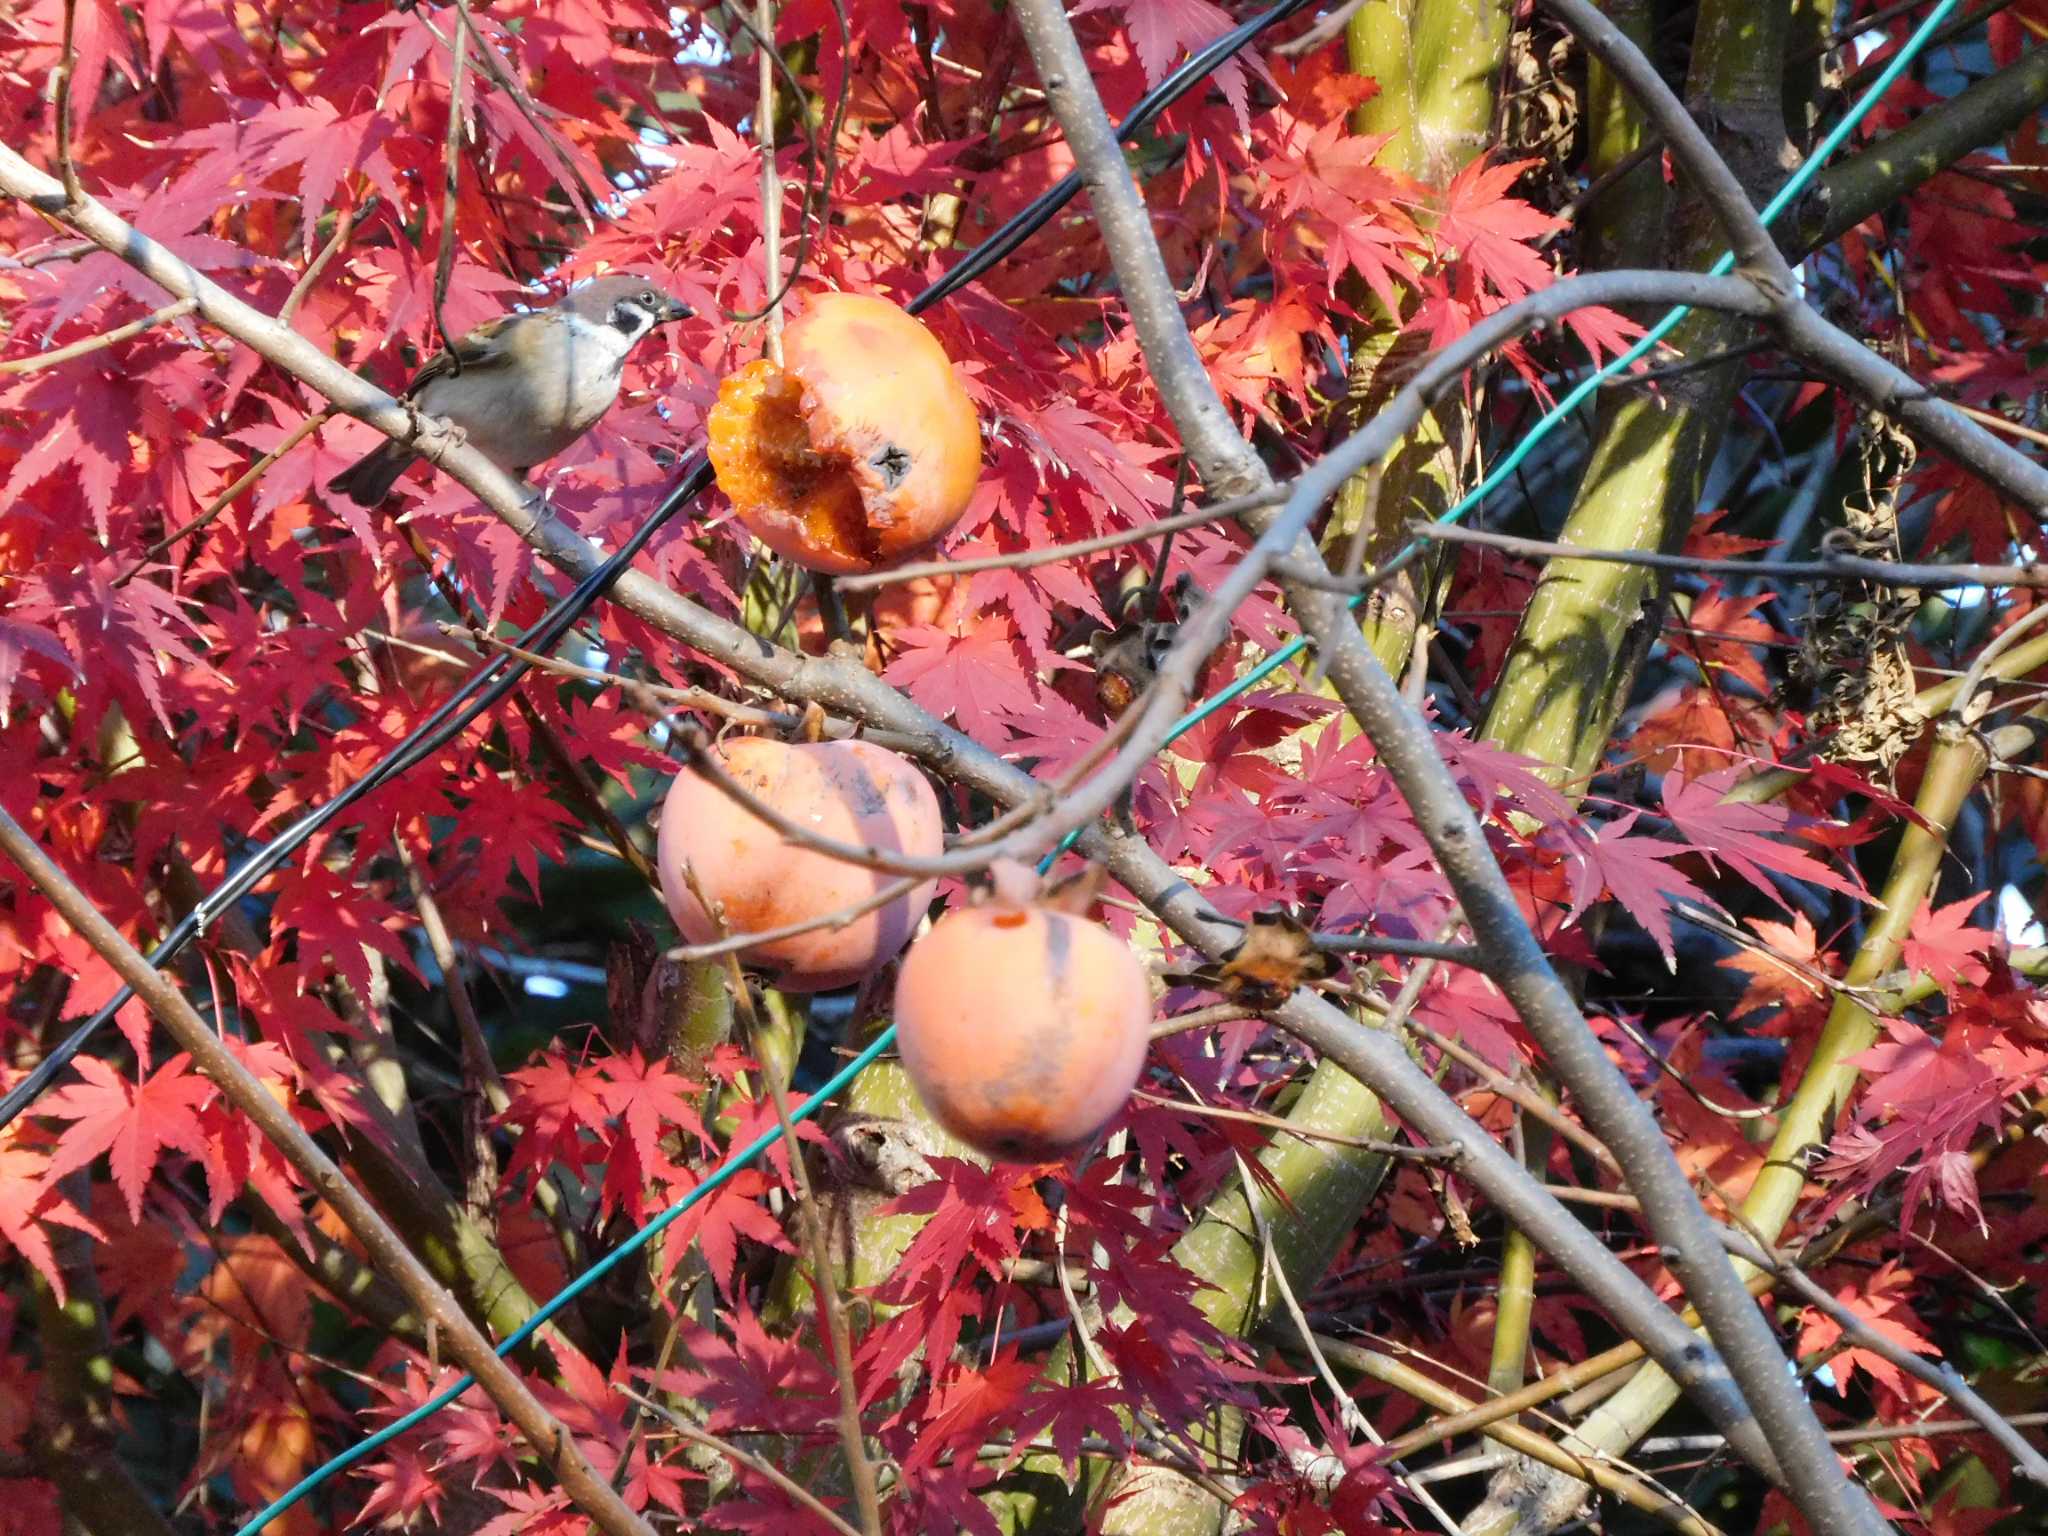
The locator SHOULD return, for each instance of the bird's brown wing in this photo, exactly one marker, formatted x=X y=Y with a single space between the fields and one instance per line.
x=480 y=348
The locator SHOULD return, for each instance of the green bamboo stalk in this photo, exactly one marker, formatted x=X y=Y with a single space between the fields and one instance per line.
x=1622 y=229
x=1588 y=625
x=1624 y=226
x=1437 y=64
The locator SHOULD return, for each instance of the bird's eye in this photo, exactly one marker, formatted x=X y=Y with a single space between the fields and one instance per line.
x=647 y=298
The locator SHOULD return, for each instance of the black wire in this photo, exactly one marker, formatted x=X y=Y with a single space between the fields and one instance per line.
x=502 y=673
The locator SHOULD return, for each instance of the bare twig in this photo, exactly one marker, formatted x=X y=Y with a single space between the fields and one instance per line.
x=1830 y=568
x=117 y=335
x=337 y=242
x=771 y=183
x=824 y=1281
x=1937 y=1373
x=1327 y=29
x=1354 y=1419
x=549 y=1438
x=483 y=1090
x=506 y=79
x=1052 y=554
x=762 y=1468
x=451 y=186
x=1284 y=1127
x=734 y=943
x=67 y=168
x=226 y=498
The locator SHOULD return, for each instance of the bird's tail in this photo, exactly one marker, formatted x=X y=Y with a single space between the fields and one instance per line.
x=369 y=480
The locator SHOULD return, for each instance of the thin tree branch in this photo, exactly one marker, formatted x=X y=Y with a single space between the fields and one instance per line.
x=451 y=186
x=1052 y=554
x=227 y=498
x=1783 y=1438
x=344 y=229
x=1830 y=568
x=762 y=1468
x=553 y=1445
x=824 y=1280
x=1937 y=1373
x=67 y=168
x=117 y=335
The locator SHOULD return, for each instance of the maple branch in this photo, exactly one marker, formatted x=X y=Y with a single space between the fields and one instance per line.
x=553 y=1445
x=771 y=183
x=226 y=498
x=1783 y=1437
x=1801 y=331
x=650 y=697
x=1936 y=1373
x=67 y=168
x=1052 y=554
x=344 y=229
x=118 y=334
x=762 y=1468
x=483 y=1090
x=451 y=186
x=1831 y=567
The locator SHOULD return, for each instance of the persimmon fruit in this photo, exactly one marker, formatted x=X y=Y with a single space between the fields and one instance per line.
x=859 y=450
x=849 y=791
x=1023 y=1028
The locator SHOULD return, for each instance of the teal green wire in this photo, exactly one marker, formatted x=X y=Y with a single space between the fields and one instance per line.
x=1258 y=674
x=583 y=1282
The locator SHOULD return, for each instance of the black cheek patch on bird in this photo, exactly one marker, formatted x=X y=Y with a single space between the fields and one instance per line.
x=893 y=464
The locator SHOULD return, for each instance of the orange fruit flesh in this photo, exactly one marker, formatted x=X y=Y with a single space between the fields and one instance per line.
x=762 y=448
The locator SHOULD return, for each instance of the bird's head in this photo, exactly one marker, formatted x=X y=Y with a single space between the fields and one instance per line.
x=631 y=303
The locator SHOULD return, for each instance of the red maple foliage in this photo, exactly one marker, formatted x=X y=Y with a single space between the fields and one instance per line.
x=453 y=985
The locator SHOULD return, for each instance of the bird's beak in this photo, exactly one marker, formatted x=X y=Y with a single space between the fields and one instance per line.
x=676 y=309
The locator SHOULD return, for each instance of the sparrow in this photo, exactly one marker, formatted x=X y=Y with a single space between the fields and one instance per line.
x=523 y=387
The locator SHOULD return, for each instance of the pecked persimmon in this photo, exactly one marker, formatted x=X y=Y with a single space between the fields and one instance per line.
x=850 y=791
x=860 y=449
x=1023 y=1028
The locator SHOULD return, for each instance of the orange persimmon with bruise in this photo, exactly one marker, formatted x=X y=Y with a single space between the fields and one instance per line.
x=860 y=450
x=1023 y=1027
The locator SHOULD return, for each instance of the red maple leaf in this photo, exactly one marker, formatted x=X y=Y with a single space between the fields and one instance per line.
x=1638 y=872
x=131 y=1123
x=1745 y=837
x=972 y=680
x=29 y=1202
x=1944 y=944
x=1882 y=1302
